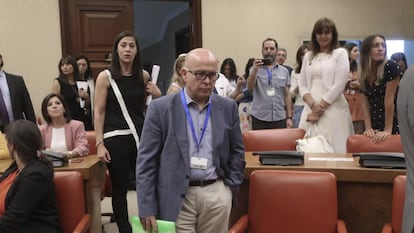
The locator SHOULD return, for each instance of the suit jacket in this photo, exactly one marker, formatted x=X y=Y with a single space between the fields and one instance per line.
x=335 y=74
x=31 y=201
x=20 y=98
x=75 y=136
x=163 y=163
x=405 y=107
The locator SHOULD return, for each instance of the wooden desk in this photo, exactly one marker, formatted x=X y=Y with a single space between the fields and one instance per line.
x=364 y=194
x=93 y=173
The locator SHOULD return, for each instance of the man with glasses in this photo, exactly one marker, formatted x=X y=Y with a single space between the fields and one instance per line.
x=269 y=83
x=191 y=156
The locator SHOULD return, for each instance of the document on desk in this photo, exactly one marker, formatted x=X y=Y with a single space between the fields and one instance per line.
x=331 y=159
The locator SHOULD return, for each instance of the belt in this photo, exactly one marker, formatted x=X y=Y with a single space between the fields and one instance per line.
x=202 y=183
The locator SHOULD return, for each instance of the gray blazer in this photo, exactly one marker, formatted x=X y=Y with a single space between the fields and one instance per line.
x=163 y=163
x=405 y=107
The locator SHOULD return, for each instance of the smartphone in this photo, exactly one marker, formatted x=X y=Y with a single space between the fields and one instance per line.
x=267 y=61
x=76 y=160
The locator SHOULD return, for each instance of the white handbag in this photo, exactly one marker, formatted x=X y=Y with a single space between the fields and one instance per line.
x=315 y=144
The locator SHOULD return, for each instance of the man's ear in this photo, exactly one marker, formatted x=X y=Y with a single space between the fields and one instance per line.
x=183 y=73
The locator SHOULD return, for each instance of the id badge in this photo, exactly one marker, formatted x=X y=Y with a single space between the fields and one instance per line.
x=270 y=91
x=198 y=163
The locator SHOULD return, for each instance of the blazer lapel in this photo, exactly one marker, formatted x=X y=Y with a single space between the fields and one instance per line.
x=217 y=125
x=180 y=126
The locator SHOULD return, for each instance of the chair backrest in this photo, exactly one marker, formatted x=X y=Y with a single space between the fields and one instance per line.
x=70 y=199
x=398 y=195
x=292 y=201
x=272 y=139
x=107 y=186
x=361 y=143
x=90 y=136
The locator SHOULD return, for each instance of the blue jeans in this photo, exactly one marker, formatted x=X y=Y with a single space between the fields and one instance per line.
x=297 y=113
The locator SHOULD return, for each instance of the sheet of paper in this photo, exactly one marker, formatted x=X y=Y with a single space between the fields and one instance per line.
x=154 y=77
x=331 y=159
x=82 y=85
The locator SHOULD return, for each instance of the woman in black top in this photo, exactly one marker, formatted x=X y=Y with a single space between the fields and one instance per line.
x=114 y=138
x=66 y=86
x=30 y=202
x=379 y=79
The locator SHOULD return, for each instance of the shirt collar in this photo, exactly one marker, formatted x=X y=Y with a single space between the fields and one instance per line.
x=189 y=100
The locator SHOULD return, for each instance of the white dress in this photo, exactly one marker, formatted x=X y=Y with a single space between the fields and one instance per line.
x=336 y=122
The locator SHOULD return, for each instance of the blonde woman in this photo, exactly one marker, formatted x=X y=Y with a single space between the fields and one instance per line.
x=177 y=81
x=379 y=82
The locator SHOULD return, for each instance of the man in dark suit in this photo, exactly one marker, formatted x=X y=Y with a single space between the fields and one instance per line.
x=405 y=108
x=16 y=103
x=191 y=155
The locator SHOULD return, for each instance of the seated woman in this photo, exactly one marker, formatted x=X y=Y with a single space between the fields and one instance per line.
x=61 y=133
x=27 y=191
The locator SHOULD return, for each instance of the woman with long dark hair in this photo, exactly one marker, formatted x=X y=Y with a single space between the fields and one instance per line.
x=352 y=92
x=66 y=86
x=27 y=190
x=322 y=81
x=116 y=138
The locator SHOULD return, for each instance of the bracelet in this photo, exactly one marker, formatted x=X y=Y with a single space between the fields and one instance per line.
x=289 y=118
x=98 y=143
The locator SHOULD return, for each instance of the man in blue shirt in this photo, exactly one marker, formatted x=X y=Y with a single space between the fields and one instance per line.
x=191 y=156
x=269 y=83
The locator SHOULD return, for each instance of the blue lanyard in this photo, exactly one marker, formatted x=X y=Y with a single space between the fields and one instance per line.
x=190 y=120
x=269 y=76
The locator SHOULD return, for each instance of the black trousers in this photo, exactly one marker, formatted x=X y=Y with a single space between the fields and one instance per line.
x=123 y=153
x=259 y=124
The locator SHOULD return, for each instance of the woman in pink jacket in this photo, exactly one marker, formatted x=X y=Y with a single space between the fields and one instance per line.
x=61 y=133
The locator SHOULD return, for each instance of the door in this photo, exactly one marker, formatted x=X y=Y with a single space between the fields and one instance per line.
x=89 y=27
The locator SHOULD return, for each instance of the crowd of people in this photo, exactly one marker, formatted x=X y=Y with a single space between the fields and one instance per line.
x=186 y=147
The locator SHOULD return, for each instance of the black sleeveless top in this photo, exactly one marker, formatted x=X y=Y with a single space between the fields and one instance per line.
x=70 y=94
x=133 y=93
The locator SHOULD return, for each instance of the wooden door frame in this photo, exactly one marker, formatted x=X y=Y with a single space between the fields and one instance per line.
x=196 y=27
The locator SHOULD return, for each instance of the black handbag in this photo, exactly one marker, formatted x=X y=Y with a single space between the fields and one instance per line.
x=58 y=159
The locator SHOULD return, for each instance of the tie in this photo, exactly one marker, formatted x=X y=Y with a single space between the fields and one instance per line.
x=4 y=115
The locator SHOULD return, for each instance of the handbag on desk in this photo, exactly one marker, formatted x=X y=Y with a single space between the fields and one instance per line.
x=313 y=144
x=58 y=159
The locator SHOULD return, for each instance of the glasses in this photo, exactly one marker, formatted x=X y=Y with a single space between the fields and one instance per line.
x=201 y=75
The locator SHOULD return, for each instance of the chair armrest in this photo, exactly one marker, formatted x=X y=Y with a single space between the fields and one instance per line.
x=83 y=225
x=341 y=228
x=387 y=228
x=241 y=225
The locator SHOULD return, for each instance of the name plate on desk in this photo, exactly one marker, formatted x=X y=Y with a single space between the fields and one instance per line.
x=381 y=159
x=283 y=158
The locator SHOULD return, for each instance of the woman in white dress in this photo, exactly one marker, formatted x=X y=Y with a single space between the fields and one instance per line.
x=322 y=80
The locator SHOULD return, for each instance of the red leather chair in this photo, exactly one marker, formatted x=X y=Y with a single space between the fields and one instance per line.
x=398 y=195
x=70 y=200
x=360 y=143
x=272 y=139
x=291 y=202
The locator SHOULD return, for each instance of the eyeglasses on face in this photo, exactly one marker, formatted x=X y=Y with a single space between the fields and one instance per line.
x=201 y=75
